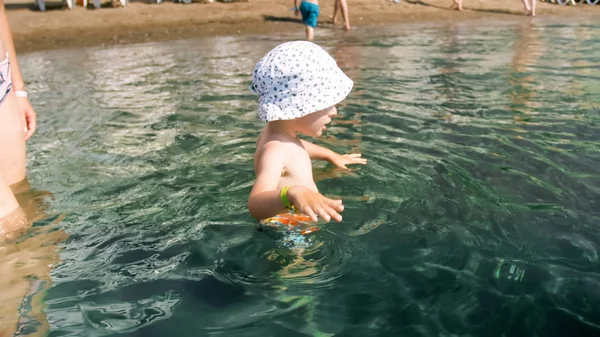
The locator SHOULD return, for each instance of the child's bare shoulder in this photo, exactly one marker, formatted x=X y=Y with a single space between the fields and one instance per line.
x=272 y=153
x=274 y=140
x=274 y=147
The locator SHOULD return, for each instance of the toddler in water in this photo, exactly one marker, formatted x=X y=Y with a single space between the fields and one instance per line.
x=298 y=84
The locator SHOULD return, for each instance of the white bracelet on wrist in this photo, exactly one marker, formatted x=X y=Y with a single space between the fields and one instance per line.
x=21 y=93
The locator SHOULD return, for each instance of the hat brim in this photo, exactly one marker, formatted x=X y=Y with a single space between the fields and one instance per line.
x=283 y=109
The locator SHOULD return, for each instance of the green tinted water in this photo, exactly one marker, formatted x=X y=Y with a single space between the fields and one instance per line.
x=476 y=215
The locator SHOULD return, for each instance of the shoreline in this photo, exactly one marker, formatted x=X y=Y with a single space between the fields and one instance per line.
x=59 y=28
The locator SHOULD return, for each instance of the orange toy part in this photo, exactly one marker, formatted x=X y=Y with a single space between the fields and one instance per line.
x=292 y=219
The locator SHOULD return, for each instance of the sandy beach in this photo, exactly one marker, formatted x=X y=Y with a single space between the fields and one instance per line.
x=60 y=27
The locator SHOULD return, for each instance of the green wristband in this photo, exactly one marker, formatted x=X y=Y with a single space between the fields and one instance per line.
x=284 y=198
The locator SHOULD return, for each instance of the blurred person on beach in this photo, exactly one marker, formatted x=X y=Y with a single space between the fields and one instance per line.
x=342 y=6
x=310 y=13
x=529 y=7
x=299 y=85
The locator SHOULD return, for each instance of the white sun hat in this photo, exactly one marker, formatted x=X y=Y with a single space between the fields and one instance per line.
x=296 y=79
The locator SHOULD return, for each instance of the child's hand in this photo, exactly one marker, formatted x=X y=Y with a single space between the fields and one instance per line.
x=315 y=204
x=342 y=160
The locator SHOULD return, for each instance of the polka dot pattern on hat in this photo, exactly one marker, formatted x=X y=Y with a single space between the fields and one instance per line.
x=297 y=78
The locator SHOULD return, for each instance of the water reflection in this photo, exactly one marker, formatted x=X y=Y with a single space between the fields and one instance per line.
x=527 y=49
x=131 y=86
x=26 y=262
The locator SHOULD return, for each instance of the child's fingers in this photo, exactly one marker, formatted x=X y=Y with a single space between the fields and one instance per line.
x=336 y=205
x=334 y=214
x=323 y=213
x=333 y=201
x=355 y=158
x=327 y=213
x=311 y=214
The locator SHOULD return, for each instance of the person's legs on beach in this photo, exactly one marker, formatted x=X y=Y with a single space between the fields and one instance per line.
x=310 y=32
x=527 y=7
x=533 y=3
x=336 y=5
x=344 y=9
x=457 y=4
x=342 y=5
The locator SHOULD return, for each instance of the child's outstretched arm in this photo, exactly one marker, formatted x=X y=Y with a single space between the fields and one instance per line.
x=339 y=160
x=317 y=152
x=265 y=198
